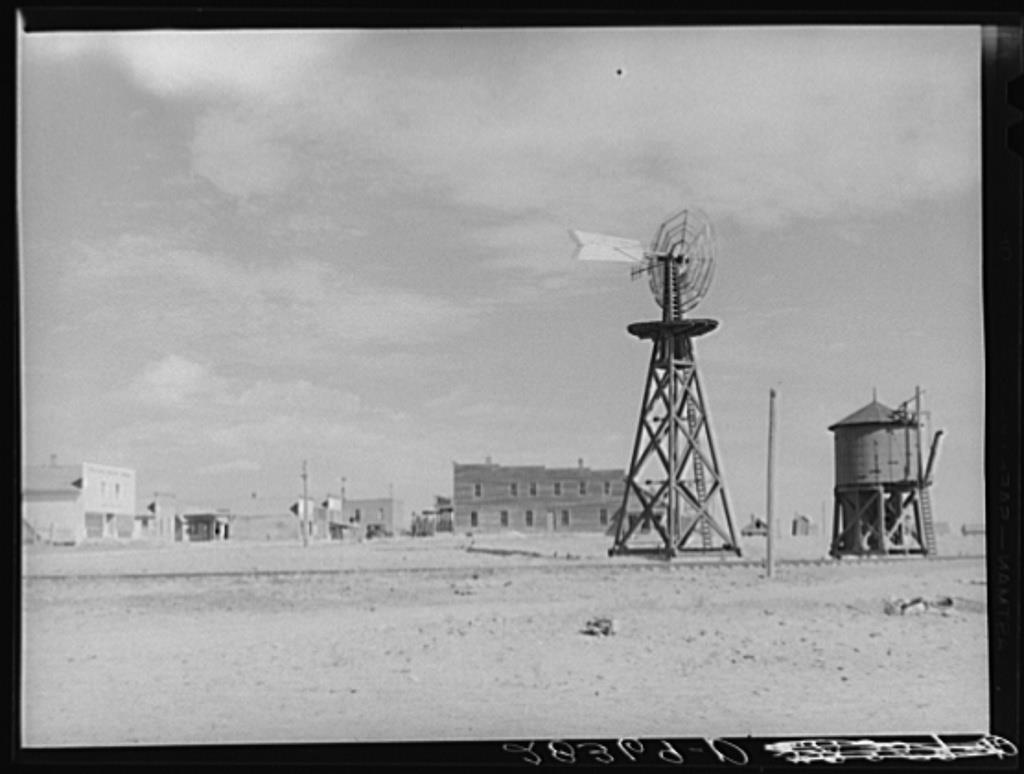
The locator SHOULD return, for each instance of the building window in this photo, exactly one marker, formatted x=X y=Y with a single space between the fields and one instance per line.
x=117 y=491
x=478 y=490
x=473 y=519
x=513 y=489
x=529 y=518
x=565 y=518
x=533 y=489
x=558 y=487
x=504 y=518
x=583 y=487
x=607 y=487
x=604 y=516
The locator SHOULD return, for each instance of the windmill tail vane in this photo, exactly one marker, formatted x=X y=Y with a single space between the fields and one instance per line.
x=602 y=247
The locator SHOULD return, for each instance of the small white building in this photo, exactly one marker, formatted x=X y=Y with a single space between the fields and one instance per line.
x=160 y=521
x=205 y=524
x=71 y=503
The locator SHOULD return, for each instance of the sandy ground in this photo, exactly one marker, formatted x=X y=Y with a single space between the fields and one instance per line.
x=480 y=638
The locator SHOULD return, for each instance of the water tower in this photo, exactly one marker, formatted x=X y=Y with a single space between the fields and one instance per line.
x=882 y=504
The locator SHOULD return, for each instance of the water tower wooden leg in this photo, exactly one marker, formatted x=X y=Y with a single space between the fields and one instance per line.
x=883 y=535
x=918 y=532
x=859 y=524
x=837 y=510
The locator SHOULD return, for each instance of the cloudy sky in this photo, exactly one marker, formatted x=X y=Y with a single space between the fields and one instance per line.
x=240 y=250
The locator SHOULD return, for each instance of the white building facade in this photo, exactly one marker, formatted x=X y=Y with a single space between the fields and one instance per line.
x=72 y=503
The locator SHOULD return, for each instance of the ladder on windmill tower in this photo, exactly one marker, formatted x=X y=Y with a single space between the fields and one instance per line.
x=699 y=484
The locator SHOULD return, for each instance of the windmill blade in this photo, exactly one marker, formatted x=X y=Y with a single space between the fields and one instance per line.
x=601 y=247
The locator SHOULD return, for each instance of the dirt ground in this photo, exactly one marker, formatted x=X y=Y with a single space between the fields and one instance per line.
x=456 y=638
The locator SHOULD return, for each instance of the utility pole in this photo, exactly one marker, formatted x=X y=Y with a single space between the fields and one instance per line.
x=304 y=510
x=917 y=429
x=770 y=559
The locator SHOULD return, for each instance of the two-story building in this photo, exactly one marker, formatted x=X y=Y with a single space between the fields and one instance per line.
x=72 y=503
x=529 y=498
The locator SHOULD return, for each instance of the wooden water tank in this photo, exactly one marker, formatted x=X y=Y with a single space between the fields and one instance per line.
x=876 y=446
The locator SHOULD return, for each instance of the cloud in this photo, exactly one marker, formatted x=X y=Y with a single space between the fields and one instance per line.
x=216 y=416
x=785 y=123
x=242 y=64
x=241 y=156
x=296 y=396
x=174 y=381
x=318 y=223
x=295 y=309
x=233 y=466
x=762 y=125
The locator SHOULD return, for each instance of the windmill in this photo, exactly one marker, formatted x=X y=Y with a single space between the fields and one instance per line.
x=675 y=492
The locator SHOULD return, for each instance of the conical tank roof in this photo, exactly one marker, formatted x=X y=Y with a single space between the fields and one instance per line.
x=874 y=413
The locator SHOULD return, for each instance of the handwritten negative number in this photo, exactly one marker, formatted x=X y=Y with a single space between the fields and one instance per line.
x=740 y=758
x=601 y=754
x=630 y=746
x=563 y=754
x=670 y=754
x=532 y=757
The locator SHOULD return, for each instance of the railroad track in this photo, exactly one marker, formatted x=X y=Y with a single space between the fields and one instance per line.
x=543 y=563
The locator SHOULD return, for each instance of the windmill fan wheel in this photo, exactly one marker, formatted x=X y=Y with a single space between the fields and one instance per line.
x=689 y=239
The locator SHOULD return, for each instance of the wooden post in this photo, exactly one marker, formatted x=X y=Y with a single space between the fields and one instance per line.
x=917 y=433
x=770 y=558
x=342 y=506
x=304 y=508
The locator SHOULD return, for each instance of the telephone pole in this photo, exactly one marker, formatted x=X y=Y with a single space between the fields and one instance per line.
x=304 y=511
x=770 y=526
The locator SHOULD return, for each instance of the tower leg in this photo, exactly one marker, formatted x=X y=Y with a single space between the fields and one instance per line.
x=625 y=524
x=883 y=542
x=837 y=534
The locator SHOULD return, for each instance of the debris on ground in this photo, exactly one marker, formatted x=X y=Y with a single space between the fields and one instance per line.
x=462 y=591
x=916 y=605
x=471 y=548
x=600 y=627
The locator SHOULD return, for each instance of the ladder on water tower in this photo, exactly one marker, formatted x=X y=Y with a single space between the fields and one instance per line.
x=927 y=526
